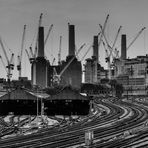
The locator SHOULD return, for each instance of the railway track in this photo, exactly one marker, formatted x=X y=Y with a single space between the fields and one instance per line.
x=122 y=116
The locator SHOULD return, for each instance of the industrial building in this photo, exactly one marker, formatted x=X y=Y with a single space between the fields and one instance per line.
x=68 y=72
x=39 y=67
x=71 y=68
x=24 y=97
x=131 y=73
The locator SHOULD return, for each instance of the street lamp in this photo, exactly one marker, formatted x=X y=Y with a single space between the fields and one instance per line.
x=127 y=86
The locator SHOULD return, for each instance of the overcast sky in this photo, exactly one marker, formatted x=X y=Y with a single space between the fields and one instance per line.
x=86 y=15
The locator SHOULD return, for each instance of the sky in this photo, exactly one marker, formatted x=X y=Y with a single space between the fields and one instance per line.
x=86 y=15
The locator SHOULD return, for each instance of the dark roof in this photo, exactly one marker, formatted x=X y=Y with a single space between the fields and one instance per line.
x=67 y=93
x=23 y=94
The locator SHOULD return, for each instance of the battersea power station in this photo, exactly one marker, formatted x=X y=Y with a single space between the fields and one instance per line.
x=54 y=90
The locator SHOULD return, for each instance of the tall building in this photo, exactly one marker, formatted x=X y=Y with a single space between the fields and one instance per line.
x=39 y=67
x=73 y=74
x=70 y=70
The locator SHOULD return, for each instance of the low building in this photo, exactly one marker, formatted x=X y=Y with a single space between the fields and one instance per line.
x=63 y=101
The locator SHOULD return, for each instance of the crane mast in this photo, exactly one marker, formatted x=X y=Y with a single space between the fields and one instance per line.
x=116 y=37
x=108 y=55
x=59 y=54
x=28 y=55
x=86 y=52
x=4 y=51
x=19 y=66
x=3 y=64
x=102 y=31
x=48 y=33
x=10 y=64
x=136 y=37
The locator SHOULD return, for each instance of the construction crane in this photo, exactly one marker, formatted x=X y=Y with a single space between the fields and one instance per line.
x=10 y=63
x=116 y=37
x=57 y=77
x=105 y=38
x=135 y=38
x=3 y=64
x=48 y=33
x=86 y=52
x=60 y=48
x=100 y=39
x=102 y=31
x=53 y=61
x=34 y=54
x=111 y=49
x=19 y=66
x=28 y=55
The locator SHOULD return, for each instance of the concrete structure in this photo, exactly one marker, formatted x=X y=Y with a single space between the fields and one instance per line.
x=73 y=74
x=71 y=31
x=123 y=47
x=89 y=74
x=94 y=72
x=39 y=68
x=95 y=48
x=95 y=59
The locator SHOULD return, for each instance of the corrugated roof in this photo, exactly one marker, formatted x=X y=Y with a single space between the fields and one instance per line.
x=39 y=94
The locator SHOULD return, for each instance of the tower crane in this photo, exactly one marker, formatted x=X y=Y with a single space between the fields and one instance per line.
x=3 y=63
x=10 y=63
x=86 y=52
x=48 y=33
x=102 y=31
x=57 y=77
x=60 y=48
x=19 y=66
x=53 y=61
x=111 y=49
x=47 y=36
x=100 y=39
x=32 y=54
x=135 y=38
x=116 y=37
